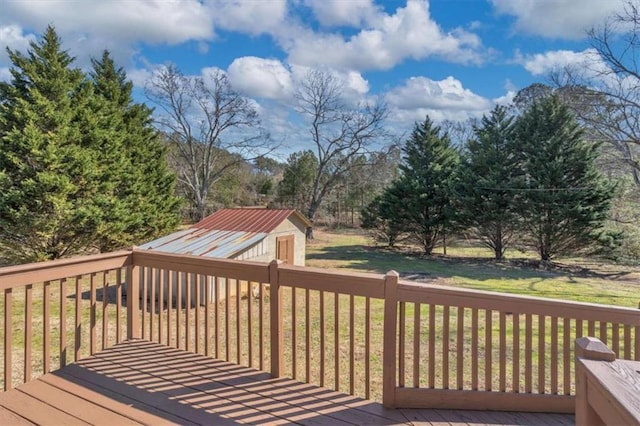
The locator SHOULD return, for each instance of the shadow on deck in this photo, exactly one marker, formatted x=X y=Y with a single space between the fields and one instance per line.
x=141 y=382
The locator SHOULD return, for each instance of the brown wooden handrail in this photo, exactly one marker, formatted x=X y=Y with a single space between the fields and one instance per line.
x=436 y=346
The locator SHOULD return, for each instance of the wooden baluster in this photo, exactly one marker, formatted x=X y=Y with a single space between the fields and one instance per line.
x=528 y=353
x=603 y=332
x=216 y=314
x=78 y=320
x=475 y=353
x=627 y=341
x=144 y=280
x=28 y=321
x=336 y=341
x=615 y=338
x=118 y=305
x=227 y=327
x=402 y=329
x=432 y=346
x=554 y=355
x=294 y=335
x=207 y=315
x=488 y=349
x=105 y=312
x=322 y=340
x=8 y=339
x=502 y=385
x=197 y=281
x=307 y=343
x=187 y=310
x=92 y=313
x=238 y=319
x=445 y=347
x=367 y=348
x=541 y=354
x=566 y=353
x=153 y=282
x=63 y=322
x=416 y=345
x=46 y=325
x=179 y=279
x=261 y=326
x=168 y=275
x=352 y=351
x=161 y=282
x=250 y=323
x=515 y=378
x=460 y=349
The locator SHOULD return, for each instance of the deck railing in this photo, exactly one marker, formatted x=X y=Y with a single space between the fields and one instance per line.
x=407 y=344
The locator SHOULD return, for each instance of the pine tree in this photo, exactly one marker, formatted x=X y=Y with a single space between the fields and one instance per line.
x=425 y=187
x=143 y=204
x=48 y=171
x=488 y=180
x=566 y=200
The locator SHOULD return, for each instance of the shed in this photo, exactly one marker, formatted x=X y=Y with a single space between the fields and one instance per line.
x=256 y=234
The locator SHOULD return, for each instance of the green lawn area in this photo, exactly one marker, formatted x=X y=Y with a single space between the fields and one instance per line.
x=470 y=265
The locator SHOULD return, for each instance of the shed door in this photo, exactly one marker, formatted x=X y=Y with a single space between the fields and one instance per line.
x=284 y=249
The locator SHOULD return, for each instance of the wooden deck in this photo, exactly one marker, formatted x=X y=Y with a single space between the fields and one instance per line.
x=139 y=382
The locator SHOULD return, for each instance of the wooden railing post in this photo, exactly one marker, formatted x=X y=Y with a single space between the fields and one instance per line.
x=275 y=316
x=593 y=349
x=133 y=301
x=389 y=362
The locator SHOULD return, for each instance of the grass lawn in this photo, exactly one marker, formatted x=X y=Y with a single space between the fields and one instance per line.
x=472 y=266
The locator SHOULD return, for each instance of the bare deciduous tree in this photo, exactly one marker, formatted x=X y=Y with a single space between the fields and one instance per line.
x=338 y=132
x=605 y=93
x=211 y=127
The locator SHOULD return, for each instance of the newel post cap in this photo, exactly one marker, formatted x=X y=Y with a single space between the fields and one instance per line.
x=592 y=348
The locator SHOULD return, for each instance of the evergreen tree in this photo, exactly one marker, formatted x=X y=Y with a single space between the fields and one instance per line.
x=49 y=174
x=425 y=188
x=488 y=177
x=294 y=190
x=381 y=218
x=142 y=205
x=566 y=200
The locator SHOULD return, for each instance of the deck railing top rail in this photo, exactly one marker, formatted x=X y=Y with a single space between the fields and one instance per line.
x=471 y=298
x=21 y=275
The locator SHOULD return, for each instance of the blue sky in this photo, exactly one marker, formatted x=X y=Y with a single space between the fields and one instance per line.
x=451 y=59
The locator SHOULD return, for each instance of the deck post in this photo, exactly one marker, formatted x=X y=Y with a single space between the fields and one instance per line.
x=593 y=349
x=275 y=317
x=133 y=300
x=389 y=362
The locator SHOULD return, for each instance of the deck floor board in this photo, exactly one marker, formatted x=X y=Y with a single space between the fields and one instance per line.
x=147 y=383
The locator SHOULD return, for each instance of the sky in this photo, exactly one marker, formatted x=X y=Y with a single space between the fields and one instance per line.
x=449 y=59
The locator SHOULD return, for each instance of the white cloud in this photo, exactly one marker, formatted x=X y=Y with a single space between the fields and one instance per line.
x=557 y=18
x=258 y=77
x=13 y=37
x=444 y=99
x=588 y=61
x=153 y=21
x=249 y=16
x=389 y=39
x=340 y=12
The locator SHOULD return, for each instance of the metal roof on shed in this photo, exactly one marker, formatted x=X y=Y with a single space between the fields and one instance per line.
x=248 y=220
x=225 y=233
x=206 y=242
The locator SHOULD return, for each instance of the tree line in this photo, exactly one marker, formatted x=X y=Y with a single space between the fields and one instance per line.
x=532 y=177
x=85 y=167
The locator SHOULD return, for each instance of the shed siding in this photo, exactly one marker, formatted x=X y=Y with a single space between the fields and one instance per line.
x=291 y=226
